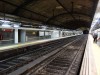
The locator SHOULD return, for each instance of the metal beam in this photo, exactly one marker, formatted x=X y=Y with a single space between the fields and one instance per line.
x=27 y=2
x=66 y=13
x=49 y=24
x=81 y=20
x=73 y=21
x=66 y=9
x=74 y=24
x=72 y=7
x=24 y=9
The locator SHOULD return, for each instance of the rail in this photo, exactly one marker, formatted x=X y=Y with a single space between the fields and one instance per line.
x=67 y=51
x=14 y=62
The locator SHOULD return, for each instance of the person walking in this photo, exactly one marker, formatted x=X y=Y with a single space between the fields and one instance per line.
x=95 y=36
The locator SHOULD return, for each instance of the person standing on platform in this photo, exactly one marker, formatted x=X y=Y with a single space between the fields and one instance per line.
x=95 y=36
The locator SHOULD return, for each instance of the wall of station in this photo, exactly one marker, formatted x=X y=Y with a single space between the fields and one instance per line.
x=6 y=36
x=12 y=36
x=37 y=35
x=44 y=34
x=71 y=33
x=55 y=34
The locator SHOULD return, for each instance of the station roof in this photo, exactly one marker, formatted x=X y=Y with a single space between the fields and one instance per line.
x=71 y=14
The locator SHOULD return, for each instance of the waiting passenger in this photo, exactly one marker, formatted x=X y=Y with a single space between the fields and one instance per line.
x=95 y=35
x=98 y=39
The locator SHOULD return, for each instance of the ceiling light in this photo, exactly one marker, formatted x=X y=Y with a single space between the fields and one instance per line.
x=59 y=7
x=78 y=6
x=6 y=25
x=4 y=21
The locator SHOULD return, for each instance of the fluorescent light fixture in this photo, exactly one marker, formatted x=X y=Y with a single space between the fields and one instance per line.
x=78 y=6
x=4 y=21
x=16 y=25
x=44 y=27
x=59 y=7
x=26 y=25
x=6 y=25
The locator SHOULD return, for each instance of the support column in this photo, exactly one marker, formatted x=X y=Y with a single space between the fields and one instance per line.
x=23 y=36
x=16 y=36
x=60 y=33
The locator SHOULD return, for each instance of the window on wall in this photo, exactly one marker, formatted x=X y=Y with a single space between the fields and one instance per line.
x=6 y=36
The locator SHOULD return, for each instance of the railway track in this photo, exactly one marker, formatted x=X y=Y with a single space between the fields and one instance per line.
x=66 y=62
x=10 y=64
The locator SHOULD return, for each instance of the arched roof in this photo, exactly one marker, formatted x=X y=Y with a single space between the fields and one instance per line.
x=70 y=14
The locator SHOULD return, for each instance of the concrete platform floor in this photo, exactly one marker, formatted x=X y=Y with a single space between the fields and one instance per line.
x=91 y=61
x=96 y=54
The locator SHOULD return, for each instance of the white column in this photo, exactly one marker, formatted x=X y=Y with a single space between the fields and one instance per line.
x=16 y=36
x=60 y=33
x=23 y=36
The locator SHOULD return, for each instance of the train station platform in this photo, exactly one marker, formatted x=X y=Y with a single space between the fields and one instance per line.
x=91 y=60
